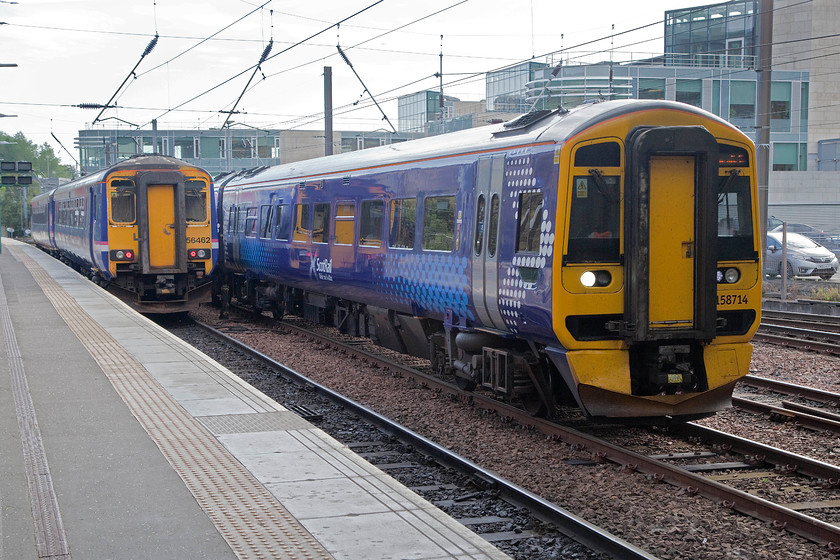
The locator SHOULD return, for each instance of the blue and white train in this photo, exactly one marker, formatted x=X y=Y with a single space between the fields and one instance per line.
x=565 y=256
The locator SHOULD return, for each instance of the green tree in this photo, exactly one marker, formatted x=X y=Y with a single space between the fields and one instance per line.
x=45 y=164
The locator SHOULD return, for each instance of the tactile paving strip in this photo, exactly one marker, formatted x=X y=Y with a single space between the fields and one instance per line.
x=50 y=539
x=248 y=423
x=250 y=519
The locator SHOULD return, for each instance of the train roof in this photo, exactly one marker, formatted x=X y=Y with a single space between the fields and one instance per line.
x=142 y=161
x=544 y=126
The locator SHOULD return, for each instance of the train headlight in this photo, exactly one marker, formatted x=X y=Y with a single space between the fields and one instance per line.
x=728 y=275
x=596 y=278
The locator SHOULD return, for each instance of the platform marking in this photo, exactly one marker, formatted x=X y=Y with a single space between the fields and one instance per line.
x=248 y=516
x=50 y=540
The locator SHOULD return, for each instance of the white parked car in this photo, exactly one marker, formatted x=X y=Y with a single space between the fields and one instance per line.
x=804 y=257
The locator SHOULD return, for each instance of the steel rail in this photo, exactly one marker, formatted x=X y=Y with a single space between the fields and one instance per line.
x=804 y=418
x=809 y=393
x=781 y=517
x=569 y=524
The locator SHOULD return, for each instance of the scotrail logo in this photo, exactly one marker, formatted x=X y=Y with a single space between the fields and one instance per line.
x=322 y=268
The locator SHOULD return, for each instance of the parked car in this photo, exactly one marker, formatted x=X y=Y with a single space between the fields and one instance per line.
x=803 y=229
x=805 y=257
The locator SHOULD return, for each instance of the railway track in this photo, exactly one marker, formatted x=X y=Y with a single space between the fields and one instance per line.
x=484 y=481
x=803 y=331
x=706 y=478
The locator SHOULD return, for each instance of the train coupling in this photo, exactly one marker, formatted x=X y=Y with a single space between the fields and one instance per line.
x=165 y=284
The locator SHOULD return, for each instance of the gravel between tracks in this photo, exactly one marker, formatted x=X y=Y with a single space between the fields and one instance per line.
x=655 y=516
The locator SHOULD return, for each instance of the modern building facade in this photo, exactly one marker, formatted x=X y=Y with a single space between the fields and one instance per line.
x=709 y=61
x=220 y=151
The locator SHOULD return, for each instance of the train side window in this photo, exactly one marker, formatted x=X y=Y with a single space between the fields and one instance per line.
x=370 y=223
x=251 y=222
x=492 y=240
x=195 y=202
x=302 y=223
x=479 y=225
x=282 y=222
x=265 y=221
x=122 y=202
x=594 y=218
x=321 y=223
x=530 y=222
x=403 y=223
x=345 y=223
x=439 y=223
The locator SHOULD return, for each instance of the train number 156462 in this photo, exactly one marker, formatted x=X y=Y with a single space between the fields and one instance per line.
x=732 y=299
x=198 y=240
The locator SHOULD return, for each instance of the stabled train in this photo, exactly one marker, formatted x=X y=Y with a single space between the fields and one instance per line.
x=145 y=228
x=563 y=257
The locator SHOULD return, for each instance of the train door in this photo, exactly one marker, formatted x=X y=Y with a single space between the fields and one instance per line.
x=671 y=251
x=161 y=210
x=162 y=228
x=485 y=259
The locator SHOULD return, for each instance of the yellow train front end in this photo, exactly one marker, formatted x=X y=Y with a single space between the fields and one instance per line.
x=659 y=291
x=160 y=235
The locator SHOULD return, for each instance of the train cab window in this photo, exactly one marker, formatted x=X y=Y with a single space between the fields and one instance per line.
x=479 y=225
x=251 y=222
x=321 y=223
x=345 y=223
x=602 y=154
x=302 y=223
x=282 y=222
x=195 y=202
x=403 y=219
x=492 y=239
x=530 y=222
x=594 y=218
x=370 y=223
x=439 y=223
x=735 y=236
x=265 y=221
x=122 y=201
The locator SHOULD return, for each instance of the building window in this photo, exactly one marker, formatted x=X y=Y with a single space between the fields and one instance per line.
x=742 y=104
x=803 y=115
x=786 y=156
x=439 y=223
x=184 y=147
x=651 y=88
x=690 y=91
x=780 y=99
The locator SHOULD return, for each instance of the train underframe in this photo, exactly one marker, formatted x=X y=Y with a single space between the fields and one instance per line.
x=176 y=292
x=514 y=370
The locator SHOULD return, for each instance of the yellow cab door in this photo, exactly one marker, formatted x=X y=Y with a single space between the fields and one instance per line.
x=672 y=254
x=670 y=246
x=162 y=227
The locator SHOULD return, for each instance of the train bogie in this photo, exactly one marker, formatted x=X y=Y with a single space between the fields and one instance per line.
x=606 y=256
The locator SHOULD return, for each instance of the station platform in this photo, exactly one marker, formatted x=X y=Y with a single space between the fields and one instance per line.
x=119 y=441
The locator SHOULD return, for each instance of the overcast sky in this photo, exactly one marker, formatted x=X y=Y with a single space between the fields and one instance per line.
x=76 y=52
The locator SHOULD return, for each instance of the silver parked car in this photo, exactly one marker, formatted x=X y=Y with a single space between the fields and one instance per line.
x=804 y=257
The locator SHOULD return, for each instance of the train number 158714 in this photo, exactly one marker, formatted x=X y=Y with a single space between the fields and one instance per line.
x=732 y=299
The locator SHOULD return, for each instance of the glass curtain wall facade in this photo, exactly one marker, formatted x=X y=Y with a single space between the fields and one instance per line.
x=719 y=35
x=506 y=87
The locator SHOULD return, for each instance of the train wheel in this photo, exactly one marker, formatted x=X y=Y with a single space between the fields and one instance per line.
x=278 y=310
x=465 y=384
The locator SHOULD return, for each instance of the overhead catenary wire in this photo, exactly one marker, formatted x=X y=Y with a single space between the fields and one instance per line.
x=148 y=49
